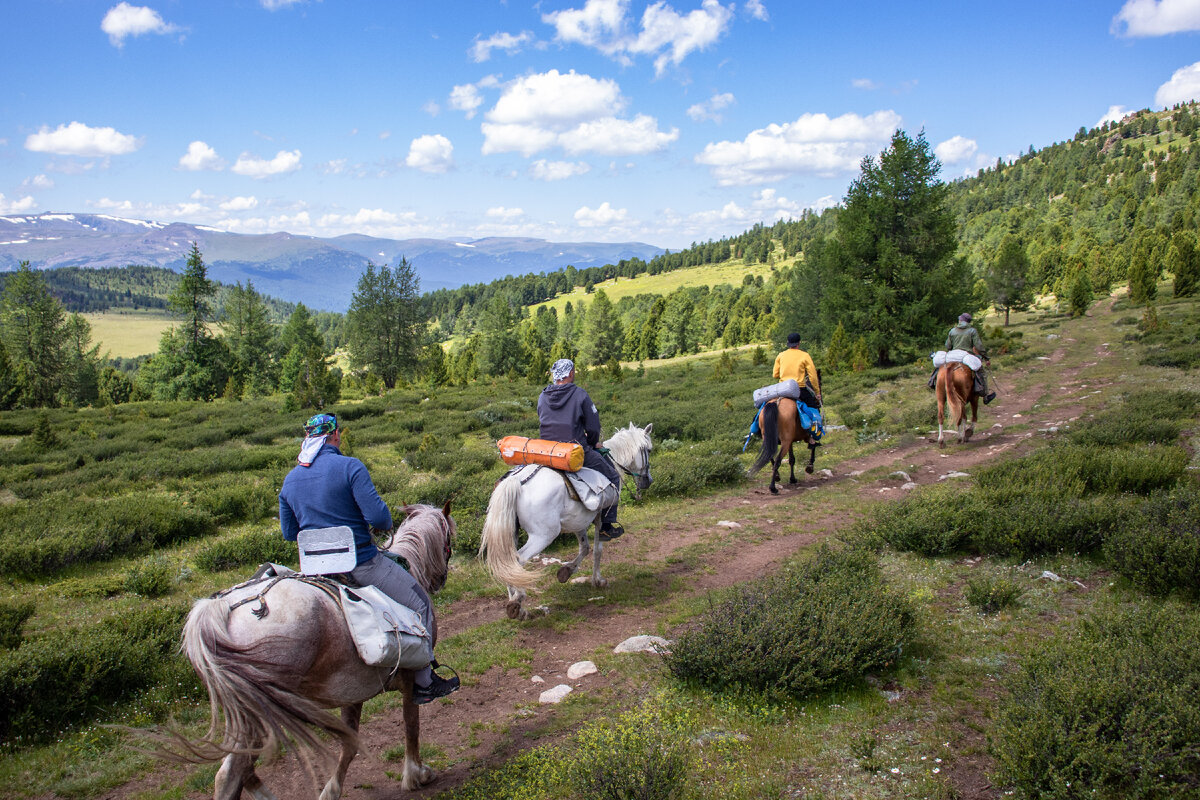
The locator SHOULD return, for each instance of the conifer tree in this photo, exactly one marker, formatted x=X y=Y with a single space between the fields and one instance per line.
x=193 y=300
x=384 y=324
x=1007 y=277
x=602 y=332
x=34 y=334
x=1184 y=261
x=837 y=355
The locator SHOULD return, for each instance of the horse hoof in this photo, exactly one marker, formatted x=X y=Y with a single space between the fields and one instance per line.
x=807 y=469
x=774 y=490
x=513 y=609
x=941 y=444
x=564 y=573
x=600 y=583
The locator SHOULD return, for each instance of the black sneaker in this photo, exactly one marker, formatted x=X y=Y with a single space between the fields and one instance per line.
x=609 y=531
x=438 y=687
x=991 y=396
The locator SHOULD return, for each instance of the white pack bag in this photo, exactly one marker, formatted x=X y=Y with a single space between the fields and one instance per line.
x=964 y=357
x=789 y=388
x=939 y=358
x=386 y=633
x=327 y=551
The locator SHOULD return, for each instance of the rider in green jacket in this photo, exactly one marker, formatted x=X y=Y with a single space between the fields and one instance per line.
x=963 y=336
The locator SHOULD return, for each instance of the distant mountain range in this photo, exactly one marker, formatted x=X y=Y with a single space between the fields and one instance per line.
x=321 y=273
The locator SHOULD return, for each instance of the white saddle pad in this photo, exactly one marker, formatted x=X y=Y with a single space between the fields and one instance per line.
x=594 y=489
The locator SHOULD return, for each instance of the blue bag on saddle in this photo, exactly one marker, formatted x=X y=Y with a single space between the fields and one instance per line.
x=811 y=421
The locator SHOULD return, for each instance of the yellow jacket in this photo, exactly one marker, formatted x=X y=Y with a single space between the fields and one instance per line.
x=796 y=364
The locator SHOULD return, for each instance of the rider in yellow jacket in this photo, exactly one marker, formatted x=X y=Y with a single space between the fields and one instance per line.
x=798 y=365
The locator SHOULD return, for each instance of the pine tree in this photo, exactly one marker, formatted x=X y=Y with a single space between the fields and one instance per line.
x=34 y=335
x=1007 y=277
x=1080 y=294
x=385 y=323
x=193 y=300
x=247 y=328
x=602 y=332
x=499 y=349
x=837 y=355
x=1184 y=261
x=1143 y=276
x=860 y=356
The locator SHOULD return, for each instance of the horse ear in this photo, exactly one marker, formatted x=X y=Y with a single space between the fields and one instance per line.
x=648 y=428
x=446 y=510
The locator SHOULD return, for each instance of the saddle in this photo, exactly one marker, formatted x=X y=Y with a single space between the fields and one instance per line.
x=588 y=486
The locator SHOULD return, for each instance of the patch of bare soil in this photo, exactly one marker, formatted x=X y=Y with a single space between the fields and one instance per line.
x=486 y=723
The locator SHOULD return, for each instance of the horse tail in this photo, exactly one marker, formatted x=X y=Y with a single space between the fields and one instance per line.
x=243 y=687
x=770 y=434
x=499 y=540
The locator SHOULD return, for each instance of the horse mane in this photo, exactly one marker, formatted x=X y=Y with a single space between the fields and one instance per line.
x=626 y=442
x=421 y=540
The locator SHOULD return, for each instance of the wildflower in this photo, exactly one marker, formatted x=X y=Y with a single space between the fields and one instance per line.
x=936 y=770
x=895 y=770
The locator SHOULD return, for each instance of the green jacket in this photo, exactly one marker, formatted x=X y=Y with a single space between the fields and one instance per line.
x=965 y=337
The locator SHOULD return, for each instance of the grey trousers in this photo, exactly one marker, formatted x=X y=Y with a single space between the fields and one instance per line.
x=394 y=581
x=593 y=460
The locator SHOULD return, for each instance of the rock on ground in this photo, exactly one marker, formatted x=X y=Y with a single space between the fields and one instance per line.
x=642 y=644
x=581 y=668
x=555 y=695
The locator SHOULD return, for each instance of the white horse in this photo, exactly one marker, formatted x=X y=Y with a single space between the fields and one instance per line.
x=544 y=509
x=275 y=655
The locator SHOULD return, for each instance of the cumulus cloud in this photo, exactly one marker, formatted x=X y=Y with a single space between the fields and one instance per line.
x=710 y=110
x=38 y=182
x=7 y=206
x=255 y=167
x=1114 y=114
x=602 y=25
x=108 y=204
x=200 y=156
x=544 y=170
x=814 y=144
x=431 y=153
x=275 y=5
x=482 y=49
x=240 y=203
x=956 y=150
x=756 y=9
x=1156 y=17
x=571 y=111
x=466 y=98
x=500 y=212
x=77 y=139
x=597 y=217
x=1183 y=87
x=123 y=20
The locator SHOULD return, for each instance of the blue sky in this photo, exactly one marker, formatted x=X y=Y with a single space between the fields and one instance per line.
x=571 y=120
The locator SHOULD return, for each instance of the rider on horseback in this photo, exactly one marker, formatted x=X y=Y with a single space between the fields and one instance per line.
x=329 y=489
x=798 y=365
x=566 y=413
x=963 y=336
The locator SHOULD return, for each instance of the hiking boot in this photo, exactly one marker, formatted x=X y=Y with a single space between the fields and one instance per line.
x=438 y=687
x=991 y=396
x=609 y=531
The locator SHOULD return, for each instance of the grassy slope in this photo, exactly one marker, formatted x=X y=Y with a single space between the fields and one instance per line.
x=128 y=334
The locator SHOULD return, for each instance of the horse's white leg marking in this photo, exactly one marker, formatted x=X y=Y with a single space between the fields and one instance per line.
x=596 y=579
x=333 y=787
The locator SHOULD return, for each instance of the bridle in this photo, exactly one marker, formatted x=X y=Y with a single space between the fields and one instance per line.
x=635 y=491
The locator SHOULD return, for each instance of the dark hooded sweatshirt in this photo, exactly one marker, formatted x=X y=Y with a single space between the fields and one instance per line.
x=567 y=414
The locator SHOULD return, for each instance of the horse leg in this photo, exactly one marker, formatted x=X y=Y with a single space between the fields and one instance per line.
x=812 y=457
x=516 y=602
x=775 y=463
x=351 y=715
x=540 y=537
x=567 y=570
x=596 y=579
x=941 y=405
x=792 y=462
x=416 y=774
x=237 y=773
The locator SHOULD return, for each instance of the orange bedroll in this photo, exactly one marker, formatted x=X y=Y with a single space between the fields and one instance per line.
x=518 y=450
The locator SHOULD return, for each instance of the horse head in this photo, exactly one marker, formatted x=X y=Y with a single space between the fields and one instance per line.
x=630 y=450
x=425 y=540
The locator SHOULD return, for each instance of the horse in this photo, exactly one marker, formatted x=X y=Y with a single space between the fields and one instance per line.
x=779 y=421
x=275 y=657
x=543 y=508
x=956 y=383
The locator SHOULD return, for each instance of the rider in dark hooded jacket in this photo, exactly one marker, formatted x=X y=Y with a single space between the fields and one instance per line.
x=566 y=413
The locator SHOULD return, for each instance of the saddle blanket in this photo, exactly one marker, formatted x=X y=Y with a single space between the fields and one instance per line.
x=592 y=487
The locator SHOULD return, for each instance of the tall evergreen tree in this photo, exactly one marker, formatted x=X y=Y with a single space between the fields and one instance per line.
x=34 y=334
x=499 y=351
x=385 y=323
x=1184 y=262
x=1007 y=277
x=192 y=299
x=602 y=332
x=247 y=328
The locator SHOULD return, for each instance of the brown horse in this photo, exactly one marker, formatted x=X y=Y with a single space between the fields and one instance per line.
x=274 y=663
x=779 y=421
x=956 y=384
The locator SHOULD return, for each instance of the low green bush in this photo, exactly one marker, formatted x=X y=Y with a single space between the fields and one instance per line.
x=13 y=616
x=1158 y=546
x=1092 y=469
x=1145 y=417
x=151 y=577
x=932 y=522
x=1109 y=709
x=822 y=623
x=247 y=549
x=702 y=466
x=992 y=593
x=639 y=755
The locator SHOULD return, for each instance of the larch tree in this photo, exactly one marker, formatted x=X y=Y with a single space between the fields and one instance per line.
x=1007 y=277
x=34 y=335
x=384 y=325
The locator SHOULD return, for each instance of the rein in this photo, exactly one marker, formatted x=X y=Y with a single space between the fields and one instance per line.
x=324 y=584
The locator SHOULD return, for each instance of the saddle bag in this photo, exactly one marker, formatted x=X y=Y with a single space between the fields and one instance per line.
x=385 y=633
x=327 y=551
x=517 y=450
x=972 y=361
x=789 y=388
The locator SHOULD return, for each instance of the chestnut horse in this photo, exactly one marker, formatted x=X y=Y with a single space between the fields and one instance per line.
x=275 y=662
x=779 y=421
x=956 y=384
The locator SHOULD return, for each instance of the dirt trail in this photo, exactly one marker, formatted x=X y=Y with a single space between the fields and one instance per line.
x=484 y=723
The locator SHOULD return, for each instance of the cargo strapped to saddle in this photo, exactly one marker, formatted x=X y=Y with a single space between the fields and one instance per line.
x=957 y=357
x=518 y=451
x=327 y=551
x=789 y=388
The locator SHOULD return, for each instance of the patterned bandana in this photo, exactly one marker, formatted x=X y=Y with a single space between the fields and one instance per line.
x=316 y=430
x=561 y=369
x=320 y=424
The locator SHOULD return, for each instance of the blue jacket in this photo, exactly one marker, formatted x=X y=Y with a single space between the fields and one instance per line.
x=567 y=414
x=335 y=490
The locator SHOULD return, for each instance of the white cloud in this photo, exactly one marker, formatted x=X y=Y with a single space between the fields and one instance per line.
x=385 y=135
x=482 y=49
x=78 y=139
x=108 y=204
x=240 y=203
x=366 y=217
x=335 y=167
x=254 y=167
x=38 y=182
x=571 y=111
x=604 y=215
x=1114 y=114
x=466 y=98
x=431 y=108
x=124 y=20
x=275 y=5
x=500 y=212
x=814 y=143
x=431 y=153
x=956 y=149
x=864 y=83
x=7 y=206
x=1156 y=17
x=544 y=170
x=757 y=10
x=200 y=156
x=1183 y=87
x=710 y=109
x=601 y=24
x=200 y=195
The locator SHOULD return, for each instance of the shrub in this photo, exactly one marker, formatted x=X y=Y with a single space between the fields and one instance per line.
x=931 y=522
x=823 y=623
x=1110 y=708
x=152 y=577
x=245 y=550
x=13 y=616
x=639 y=755
x=687 y=471
x=992 y=593
x=1158 y=547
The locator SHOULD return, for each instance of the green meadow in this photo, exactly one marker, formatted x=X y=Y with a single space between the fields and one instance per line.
x=128 y=334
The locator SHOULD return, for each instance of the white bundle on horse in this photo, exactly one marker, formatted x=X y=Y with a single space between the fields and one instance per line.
x=789 y=388
x=957 y=357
